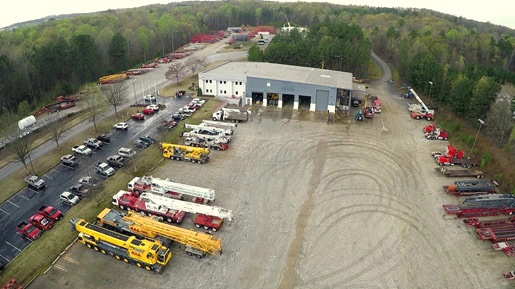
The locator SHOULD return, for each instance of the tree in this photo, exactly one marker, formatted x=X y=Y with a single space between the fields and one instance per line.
x=255 y=54
x=20 y=145
x=194 y=63
x=56 y=131
x=175 y=70
x=483 y=95
x=91 y=102
x=499 y=120
x=117 y=50
x=115 y=94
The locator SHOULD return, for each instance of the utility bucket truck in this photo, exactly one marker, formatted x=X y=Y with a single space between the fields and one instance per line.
x=209 y=130
x=170 y=188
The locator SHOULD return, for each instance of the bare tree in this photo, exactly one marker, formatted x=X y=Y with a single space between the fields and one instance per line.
x=499 y=120
x=115 y=94
x=56 y=131
x=21 y=145
x=91 y=102
x=175 y=70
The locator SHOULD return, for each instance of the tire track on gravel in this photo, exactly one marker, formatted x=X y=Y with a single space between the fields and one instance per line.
x=289 y=276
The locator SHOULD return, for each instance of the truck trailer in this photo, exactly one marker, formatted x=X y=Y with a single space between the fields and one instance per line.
x=448 y=172
x=472 y=187
x=490 y=205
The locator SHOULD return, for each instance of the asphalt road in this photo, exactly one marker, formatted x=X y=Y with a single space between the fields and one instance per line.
x=26 y=202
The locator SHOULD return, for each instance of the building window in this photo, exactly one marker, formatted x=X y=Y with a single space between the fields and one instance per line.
x=241 y=83
x=220 y=82
x=225 y=91
x=236 y=92
x=224 y=82
x=220 y=91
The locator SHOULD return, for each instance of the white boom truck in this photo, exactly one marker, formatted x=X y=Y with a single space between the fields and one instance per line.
x=230 y=114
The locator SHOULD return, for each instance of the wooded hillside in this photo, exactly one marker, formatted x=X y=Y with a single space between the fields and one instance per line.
x=41 y=61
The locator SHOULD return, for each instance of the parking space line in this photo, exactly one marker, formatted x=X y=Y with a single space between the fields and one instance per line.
x=12 y=246
x=4 y=211
x=59 y=267
x=5 y=258
x=45 y=176
x=13 y=204
x=71 y=260
x=54 y=170
x=37 y=192
x=23 y=197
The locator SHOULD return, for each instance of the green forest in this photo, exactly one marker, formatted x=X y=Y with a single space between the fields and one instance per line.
x=467 y=61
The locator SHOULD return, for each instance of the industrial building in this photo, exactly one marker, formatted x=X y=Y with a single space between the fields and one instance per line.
x=307 y=88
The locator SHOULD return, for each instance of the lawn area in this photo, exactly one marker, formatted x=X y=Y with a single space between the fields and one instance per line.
x=40 y=254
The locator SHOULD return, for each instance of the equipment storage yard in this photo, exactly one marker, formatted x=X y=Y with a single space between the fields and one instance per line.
x=344 y=205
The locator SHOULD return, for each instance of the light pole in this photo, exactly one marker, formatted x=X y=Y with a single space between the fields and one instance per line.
x=134 y=86
x=481 y=122
x=431 y=86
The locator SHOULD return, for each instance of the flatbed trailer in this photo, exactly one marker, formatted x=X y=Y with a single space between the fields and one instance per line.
x=460 y=172
x=472 y=187
x=497 y=234
x=485 y=224
x=481 y=206
x=507 y=247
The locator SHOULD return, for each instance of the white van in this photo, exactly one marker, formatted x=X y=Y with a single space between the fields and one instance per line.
x=149 y=98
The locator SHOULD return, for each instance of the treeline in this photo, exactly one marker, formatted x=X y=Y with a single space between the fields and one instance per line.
x=335 y=46
x=39 y=62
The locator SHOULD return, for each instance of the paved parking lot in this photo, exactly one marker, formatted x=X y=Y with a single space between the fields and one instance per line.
x=26 y=202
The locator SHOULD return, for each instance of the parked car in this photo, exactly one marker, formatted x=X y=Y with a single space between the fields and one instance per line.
x=106 y=138
x=80 y=190
x=148 y=111
x=121 y=126
x=126 y=152
x=186 y=109
x=141 y=144
x=82 y=150
x=155 y=107
x=88 y=182
x=104 y=169
x=68 y=198
x=148 y=139
x=177 y=117
x=138 y=116
x=116 y=161
x=149 y=98
x=198 y=101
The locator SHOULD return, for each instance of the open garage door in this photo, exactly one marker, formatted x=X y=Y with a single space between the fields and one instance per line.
x=288 y=100
x=322 y=101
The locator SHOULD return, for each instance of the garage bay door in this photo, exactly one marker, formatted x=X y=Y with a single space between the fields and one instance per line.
x=322 y=101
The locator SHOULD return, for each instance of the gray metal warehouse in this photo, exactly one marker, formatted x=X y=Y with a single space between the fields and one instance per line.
x=307 y=88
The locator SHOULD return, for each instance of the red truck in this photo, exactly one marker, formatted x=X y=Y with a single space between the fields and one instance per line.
x=51 y=213
x=452 y=156
x=127 y=201
x=29 y=231
x=208 y=222
x=41 y=222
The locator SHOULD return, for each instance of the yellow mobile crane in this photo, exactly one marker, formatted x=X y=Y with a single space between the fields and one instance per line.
x=131 y=223
x=185 y=153
x=149 y=254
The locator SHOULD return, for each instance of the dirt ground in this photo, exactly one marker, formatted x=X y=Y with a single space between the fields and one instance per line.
x=316 y=205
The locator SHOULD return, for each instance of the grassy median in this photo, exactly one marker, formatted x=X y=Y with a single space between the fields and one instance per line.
x=37 y=258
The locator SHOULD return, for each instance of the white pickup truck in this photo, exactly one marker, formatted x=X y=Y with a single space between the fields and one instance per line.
x=82 y=150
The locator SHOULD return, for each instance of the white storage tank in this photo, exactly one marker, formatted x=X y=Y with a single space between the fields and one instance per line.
x=26 y=122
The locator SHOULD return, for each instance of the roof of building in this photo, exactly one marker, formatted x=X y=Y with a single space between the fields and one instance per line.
x=284 y=72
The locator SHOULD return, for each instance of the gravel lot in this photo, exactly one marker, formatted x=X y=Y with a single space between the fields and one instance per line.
x=346 y=205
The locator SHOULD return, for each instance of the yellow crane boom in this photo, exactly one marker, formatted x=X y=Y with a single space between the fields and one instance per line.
x=151 y=227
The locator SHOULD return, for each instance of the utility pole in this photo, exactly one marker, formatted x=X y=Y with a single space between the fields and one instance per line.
x=431 y=86
x=481 y=122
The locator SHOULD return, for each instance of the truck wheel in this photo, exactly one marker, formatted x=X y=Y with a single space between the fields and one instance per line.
x=169 y=220
x=189 y=253
x=197 y=225
x=95 y=248
x=122 y=207
x=138 y=264
x=214 y=229
x=148 y=268
x=103 y=251
x=198 y=256
x=89 y=246
x=206 y=228
x=125 y=260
